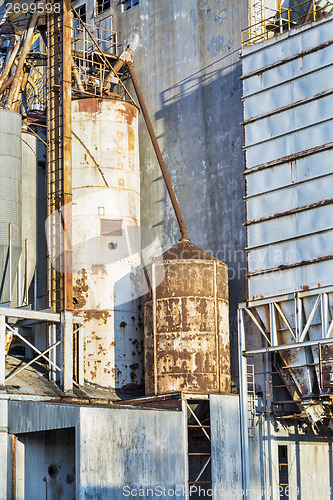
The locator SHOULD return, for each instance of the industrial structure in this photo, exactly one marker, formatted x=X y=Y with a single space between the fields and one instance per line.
x=126 y=366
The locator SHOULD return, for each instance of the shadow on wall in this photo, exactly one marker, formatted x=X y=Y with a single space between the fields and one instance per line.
x=203 y=141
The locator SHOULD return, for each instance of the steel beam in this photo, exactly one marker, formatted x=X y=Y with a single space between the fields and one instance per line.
x=66 y=374
x=285 y=347
x=27 y=314
x=243 y=405
x=80 y=355
x=66 y=96
x=53 y=352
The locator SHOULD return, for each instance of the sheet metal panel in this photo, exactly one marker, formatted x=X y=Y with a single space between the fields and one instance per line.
x=304 y=277
x=307 y=248
x=291 y=120
x=226 y=446
x=289 y=207
x=294 y=197
x=299 y=224
x=296 y=68
x=298 y=86
x=28 y=416
x=276 y=49
x=285 y=174
x=145 y=447
x=292 y=143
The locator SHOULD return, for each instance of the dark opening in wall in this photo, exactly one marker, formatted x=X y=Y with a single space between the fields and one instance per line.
x=128 y=4
x=102 y=6
x=199 y=448
x=283 y=472
x=82 y=13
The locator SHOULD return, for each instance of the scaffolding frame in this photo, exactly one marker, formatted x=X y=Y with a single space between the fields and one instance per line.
x=298 y=331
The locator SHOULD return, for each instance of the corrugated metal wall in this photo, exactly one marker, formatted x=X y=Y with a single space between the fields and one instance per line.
x=288 y=102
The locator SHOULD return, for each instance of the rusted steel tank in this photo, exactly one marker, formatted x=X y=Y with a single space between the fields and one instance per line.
x=187 y=323
x=106 y=239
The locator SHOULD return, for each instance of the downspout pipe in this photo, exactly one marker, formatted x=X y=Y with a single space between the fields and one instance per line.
x=125 y=57
x=77 y=76
x=158 y=153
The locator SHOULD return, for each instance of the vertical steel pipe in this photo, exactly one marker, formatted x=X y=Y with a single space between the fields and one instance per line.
x=66 y=94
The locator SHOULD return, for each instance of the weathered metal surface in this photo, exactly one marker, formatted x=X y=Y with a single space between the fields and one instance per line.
x=106 y=187
x=66 y=153
x=187 y=323
x=8 y=340
x=148 y=446
x=10 y=198
x=29 y=214
x=45 y=462
x=303 y=345
x=288 y=120
x=225 y=445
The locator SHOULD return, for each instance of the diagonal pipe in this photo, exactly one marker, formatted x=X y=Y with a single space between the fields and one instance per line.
x=158 y=153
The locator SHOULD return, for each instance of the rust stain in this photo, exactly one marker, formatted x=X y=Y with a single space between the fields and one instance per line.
x=134 y=368
x=131 y=139
x=8 y=340
x=190 y=347
x=129 y=112
x=80 y=290
x=305 y=287
x=89 y=105
x=98 y=314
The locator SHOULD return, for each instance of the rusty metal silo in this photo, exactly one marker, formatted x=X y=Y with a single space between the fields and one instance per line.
x=187 y=323
x=106 y=239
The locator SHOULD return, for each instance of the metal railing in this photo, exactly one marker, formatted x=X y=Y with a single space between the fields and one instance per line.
x=83 y=44
x=94 y=51
x=58 y=361
x=284 y=19
x=89 y=68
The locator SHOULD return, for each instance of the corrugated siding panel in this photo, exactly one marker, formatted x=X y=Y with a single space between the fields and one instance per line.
x=289 y=207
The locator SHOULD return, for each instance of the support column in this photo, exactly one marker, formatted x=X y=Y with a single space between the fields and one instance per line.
x=80 y=355
x=52 y=330
x=243 y=406
x=66 y=376
x=5 y=452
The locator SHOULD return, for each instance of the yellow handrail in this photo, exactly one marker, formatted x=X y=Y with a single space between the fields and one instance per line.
x=283 y=19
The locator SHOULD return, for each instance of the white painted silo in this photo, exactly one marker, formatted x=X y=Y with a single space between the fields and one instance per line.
x=106 y=239
x=29 y=214
x=10 y=201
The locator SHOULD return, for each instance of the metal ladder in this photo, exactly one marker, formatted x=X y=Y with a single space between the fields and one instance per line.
x=59 y=158
x=258 y=15
x=251 y=397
